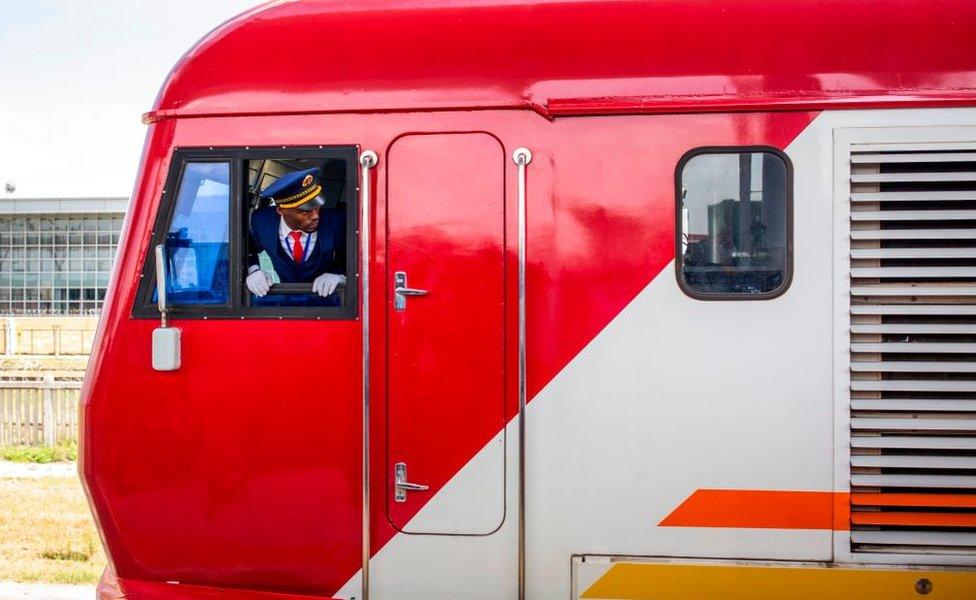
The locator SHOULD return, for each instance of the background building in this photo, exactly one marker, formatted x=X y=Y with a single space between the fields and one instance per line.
x=56 y=255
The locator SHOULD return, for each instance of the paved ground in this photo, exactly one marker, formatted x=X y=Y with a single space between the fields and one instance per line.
x=13 y=469
x=45 y=591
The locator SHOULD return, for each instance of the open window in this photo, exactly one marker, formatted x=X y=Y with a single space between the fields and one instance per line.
x=735 y=223
x=218 y=225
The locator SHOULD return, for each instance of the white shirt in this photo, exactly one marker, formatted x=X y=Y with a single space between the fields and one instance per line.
x=284 y=237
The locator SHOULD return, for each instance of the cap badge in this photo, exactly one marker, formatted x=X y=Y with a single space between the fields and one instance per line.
x=307 y=181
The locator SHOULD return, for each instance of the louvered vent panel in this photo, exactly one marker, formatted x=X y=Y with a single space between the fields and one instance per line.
x=913 y=352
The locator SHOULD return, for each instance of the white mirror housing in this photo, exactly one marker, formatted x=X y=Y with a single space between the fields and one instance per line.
x=166 y=348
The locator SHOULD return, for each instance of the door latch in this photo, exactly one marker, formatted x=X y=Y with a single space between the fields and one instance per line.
x=400 y=484
x=401 y=291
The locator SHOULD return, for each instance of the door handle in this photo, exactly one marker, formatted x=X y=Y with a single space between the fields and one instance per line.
x=401 y=486
x=401 y=291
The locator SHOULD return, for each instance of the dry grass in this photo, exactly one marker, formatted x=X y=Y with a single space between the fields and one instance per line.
x=46 y=532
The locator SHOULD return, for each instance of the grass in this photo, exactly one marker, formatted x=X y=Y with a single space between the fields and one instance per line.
x=65 y=450
x=46 y=532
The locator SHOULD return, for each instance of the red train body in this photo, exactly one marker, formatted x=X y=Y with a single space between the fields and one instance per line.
x=242 y=471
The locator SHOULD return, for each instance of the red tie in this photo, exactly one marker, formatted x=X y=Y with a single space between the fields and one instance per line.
x=296 y=246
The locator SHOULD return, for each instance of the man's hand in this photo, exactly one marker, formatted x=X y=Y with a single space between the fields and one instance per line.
x=326 y=283
x=259 y=282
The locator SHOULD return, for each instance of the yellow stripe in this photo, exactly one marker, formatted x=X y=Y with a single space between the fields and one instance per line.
x=656 y=581
x=302 y=197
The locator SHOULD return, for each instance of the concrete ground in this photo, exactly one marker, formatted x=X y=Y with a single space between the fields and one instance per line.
x=13 y=469
x=45 y=591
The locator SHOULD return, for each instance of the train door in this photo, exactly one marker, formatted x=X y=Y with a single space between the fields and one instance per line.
x=445 y=349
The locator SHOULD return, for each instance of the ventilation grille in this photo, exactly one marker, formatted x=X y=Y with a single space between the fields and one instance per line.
x=913 y=352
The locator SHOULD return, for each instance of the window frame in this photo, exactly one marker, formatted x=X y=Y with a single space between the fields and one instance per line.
x=145 y=308
x=678 y=251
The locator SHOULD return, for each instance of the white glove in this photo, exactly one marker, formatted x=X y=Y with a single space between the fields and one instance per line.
x=326 y=283
x=259 y=282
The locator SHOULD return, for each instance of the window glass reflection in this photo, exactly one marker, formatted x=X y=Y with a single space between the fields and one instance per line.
x=197 y=243
x=734 y=223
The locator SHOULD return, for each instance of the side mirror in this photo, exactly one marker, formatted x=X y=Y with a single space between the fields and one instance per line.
x=165 y=339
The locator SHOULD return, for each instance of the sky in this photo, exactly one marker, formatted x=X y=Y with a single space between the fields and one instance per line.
x=76 y=77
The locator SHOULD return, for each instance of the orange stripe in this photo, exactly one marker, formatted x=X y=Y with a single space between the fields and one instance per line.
x=914 y=519
x=842 y=511
x=765 y=509
x=943 y=500
x=787 y=509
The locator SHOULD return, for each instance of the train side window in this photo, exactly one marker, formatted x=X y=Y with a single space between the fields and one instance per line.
x=735 y=223
x=197 y=240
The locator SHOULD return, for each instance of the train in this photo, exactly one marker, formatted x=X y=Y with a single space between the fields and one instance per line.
x=626 y=300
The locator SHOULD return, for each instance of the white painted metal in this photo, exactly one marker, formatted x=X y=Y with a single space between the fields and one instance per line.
x=953 y=481
x=912 y=196
x=914 y=215
x=903 y=424
x=913 y=290
x=914 y=348
x=915 y=367
x=889 y=177
x=912 y=538
x=927 y=135
x=889 y=433
x=905 y=385
x=915 y=252
x=906 y=272
x=913 y=309
x=914 y=462
x=913 y=234
x=914 y=404
x=914 y=442
x=913 y=157
x=937 y=328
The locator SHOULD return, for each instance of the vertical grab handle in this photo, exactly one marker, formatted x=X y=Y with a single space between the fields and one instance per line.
x=522 y=157
x=367 y=160
x=161 y=283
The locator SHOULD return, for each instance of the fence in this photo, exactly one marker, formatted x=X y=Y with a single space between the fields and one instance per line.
x=47 y=336
x=38 y=412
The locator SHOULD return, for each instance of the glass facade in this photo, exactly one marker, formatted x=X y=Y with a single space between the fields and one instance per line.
x=56 y=264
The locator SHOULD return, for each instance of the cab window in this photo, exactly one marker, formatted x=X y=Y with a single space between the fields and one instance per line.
x=257 y=233
x=197 y=241
x=296 y=232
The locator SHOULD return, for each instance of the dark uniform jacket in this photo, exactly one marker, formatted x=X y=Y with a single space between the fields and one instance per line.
x=328 y=254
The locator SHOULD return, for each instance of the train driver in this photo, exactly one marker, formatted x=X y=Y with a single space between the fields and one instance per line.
x=304 y=240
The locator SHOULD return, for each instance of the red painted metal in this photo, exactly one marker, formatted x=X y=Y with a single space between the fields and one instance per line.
x=579 y=57
x=149 y=590
x=241 y=472
x=446 y=351
x=237 y=472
